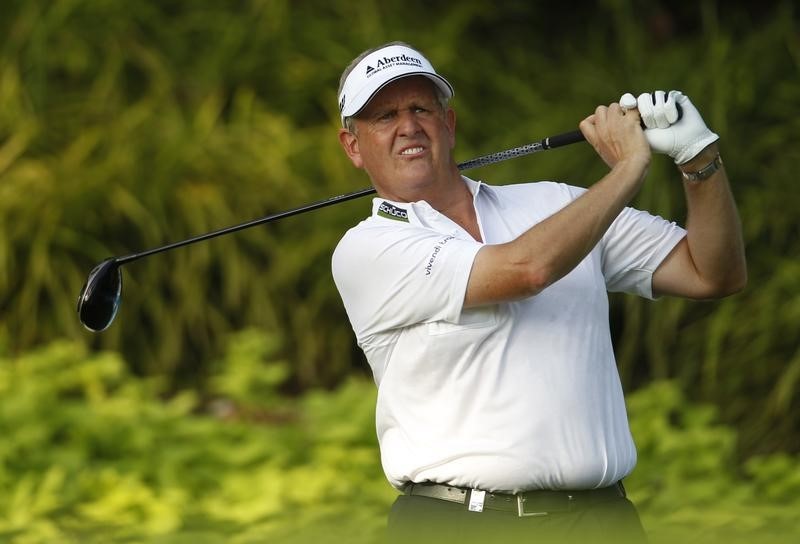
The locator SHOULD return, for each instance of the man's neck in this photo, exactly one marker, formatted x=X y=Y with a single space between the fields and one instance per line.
x=459 y=208
x=455 y=201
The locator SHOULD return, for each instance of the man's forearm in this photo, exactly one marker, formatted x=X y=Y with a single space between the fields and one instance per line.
x=714 y=229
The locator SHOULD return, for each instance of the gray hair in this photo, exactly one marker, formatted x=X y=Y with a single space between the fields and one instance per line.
x=348 y=121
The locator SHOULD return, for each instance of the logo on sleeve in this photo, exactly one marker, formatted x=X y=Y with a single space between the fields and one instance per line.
x=390 y=211
x=436 y=249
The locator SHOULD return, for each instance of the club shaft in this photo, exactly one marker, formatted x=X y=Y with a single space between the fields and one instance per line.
x=235 y=228
x=551 y=142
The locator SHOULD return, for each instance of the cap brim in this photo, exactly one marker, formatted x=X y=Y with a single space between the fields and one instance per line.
x=360 y=102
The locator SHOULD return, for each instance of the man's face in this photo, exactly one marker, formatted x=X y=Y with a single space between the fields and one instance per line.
x=403 y=139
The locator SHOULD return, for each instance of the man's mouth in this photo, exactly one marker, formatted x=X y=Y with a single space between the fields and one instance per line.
x=412 y=150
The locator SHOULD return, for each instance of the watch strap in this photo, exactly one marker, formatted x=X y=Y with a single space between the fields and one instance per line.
x=705 y=172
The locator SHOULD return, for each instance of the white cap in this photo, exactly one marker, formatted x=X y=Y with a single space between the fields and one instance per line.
x=380 y=68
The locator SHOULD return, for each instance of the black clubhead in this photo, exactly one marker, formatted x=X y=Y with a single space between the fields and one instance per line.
x=100 y=297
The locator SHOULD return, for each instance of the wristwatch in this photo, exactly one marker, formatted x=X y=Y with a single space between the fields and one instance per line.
x=705 y=172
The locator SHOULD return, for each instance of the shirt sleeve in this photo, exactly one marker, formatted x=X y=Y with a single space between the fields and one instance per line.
x=391 y=277
x=633 y=248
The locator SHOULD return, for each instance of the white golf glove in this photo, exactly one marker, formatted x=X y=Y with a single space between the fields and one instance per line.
x=682 y=138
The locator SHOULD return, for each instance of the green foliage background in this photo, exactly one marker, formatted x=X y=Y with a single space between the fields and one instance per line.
x=127 y=125
x=93 y=455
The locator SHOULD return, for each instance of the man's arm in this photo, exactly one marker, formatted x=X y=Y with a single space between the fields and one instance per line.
x=551 y=249
x=710 y=261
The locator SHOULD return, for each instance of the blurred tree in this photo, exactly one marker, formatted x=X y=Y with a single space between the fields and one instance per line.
x=128 y=125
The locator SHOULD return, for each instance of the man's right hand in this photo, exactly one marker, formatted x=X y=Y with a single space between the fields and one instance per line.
x=616 y=135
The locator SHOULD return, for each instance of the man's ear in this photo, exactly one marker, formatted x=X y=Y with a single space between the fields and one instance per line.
x=450 y=120
x=349 y=143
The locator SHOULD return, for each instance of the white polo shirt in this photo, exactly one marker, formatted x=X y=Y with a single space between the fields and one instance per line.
x=508 y=397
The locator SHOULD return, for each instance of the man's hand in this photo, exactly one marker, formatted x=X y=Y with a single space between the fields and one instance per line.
x=616 y=135
x=682 y=139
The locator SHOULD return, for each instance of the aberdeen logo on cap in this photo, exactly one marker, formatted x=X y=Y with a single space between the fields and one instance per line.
x=390 y=62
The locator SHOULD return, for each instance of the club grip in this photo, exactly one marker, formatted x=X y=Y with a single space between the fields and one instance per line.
x=563 y=139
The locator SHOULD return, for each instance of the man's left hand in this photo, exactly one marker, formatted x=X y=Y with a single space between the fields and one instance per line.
x=673 y=125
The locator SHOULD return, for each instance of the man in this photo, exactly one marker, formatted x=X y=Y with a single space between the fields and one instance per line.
x=483 y=310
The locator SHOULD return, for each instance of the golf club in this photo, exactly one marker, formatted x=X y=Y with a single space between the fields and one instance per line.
x=100 y=297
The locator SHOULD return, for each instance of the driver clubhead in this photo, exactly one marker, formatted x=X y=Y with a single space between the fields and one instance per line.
x=100 y=297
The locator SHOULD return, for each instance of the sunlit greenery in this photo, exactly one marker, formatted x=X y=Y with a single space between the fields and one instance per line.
x=127 y=125
x=91 y=454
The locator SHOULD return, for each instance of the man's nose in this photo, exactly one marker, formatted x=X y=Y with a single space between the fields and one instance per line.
x=407 y=123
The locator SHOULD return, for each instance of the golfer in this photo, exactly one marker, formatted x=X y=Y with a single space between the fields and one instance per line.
x=483 y=310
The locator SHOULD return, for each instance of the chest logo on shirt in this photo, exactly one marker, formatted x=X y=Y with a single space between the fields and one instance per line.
x=390 y=211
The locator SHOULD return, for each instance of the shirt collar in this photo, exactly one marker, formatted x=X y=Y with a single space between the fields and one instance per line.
x=407 y=212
